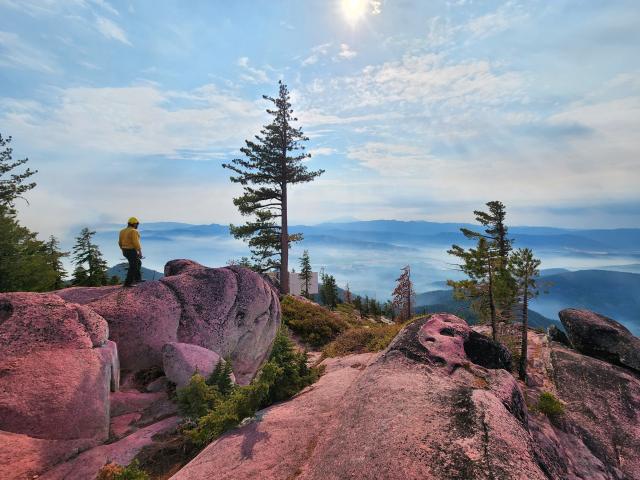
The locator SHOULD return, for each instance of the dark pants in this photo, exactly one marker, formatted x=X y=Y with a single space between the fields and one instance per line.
x=133 y=274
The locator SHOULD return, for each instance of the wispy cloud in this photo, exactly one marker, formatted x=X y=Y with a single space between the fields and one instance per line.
x=251 y=74
x=137 y=120
x=346 y=52
x=15 y=52
x=111 y=30
x=316 y=53
x=321 y=151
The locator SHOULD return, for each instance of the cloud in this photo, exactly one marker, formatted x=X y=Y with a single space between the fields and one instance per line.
x=37 y=8
x=110 y=30
x=320 y=151
x=345 y=52
x=138 y=120
x=105 y=6
x=16 y=53
x=504 y=18
x=42 y=7
x=251 y=74
x=398 y=160
x=316 y=52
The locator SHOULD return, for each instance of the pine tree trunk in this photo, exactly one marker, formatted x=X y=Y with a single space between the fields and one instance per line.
x=525 y=322
x=284 y=245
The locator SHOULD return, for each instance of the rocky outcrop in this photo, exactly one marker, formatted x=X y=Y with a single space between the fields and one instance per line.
x=598 y=434
x=231 y=311
x=422 y=409
x=181 y=360
x=602 y=410
x=56 y=368
x=601 y=337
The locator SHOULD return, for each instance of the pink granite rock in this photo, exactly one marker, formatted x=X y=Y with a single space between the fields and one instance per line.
x=87 y=465
x=181 y=360
x=56 y=368
x=401 y=415
x=24 y=458
x=84 y=295
x=141 y=321
x=232 y=311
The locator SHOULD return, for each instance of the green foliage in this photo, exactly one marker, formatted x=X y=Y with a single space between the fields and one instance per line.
x=362 y=339
x=197 y=398
x=314 y=324
x=305 y=273
x=91 y=267
x=549 y=405
x=54 y=256
x=12 y=185
x=523 y=268
x=329 y=291
x=25 y=262
x=294 y=374
x=221 y=378
x=490 y=287
x=274 y=159
x=113 y=471
x=284 y=374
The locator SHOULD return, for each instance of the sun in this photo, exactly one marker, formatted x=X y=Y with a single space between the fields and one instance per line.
x=354 y=10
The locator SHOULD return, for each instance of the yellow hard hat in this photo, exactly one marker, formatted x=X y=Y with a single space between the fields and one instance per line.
x=133 y=221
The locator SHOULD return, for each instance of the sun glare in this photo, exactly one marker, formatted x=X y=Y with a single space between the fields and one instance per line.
x=354 y=10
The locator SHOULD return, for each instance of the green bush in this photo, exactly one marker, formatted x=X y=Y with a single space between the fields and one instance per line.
x=284 y=374
x=221 y=378
x=315 y=325
x=549 y=405
x=361 y=340
x=197 y=398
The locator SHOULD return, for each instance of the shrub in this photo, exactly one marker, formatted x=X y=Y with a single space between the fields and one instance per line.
x=549 y=405
x=113 y=471
x=221 y=378
x=315 y=325
x=361 y=340
x=284 y=374
x=197 y=398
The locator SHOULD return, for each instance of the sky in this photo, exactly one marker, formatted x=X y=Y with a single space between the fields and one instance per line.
x=417 y=110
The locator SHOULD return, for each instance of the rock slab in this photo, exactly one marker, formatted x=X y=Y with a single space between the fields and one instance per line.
x=420 y=410
x=601 y=337
x=56 y=368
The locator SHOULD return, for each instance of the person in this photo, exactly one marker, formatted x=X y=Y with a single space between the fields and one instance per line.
x=132 y=250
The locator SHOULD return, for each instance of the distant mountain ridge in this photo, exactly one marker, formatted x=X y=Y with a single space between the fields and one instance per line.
x=120 y=271
x=369 y=254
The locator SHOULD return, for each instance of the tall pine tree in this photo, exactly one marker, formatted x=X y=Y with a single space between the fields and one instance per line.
x=524 y=268
x=500 y=246
x=54 y=256
x=273 y=162
x=91 y=268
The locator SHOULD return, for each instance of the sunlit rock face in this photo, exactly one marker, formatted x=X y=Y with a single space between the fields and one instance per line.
x=56 y=368
x=422 y=409
x=231 y=311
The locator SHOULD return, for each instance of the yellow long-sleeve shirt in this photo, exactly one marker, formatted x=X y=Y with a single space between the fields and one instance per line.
x=129 y=239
